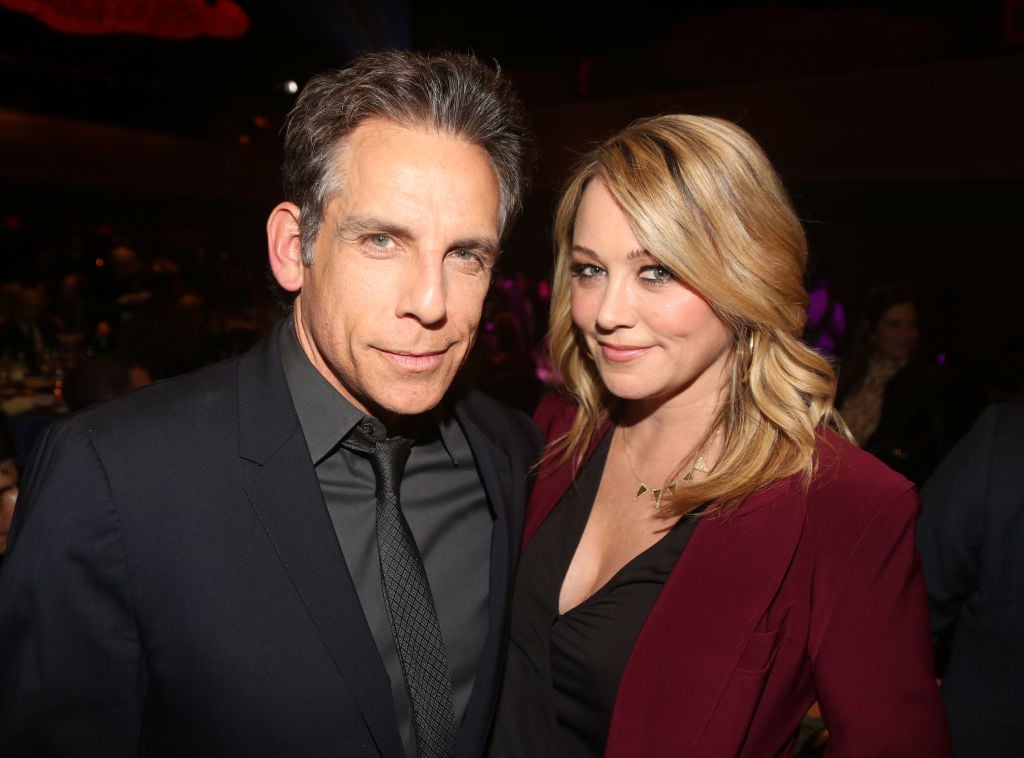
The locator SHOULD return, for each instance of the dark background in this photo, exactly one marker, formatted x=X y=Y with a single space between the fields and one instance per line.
x=897 y=126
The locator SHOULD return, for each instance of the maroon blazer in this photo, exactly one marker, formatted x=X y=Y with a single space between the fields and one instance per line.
x=795 y=597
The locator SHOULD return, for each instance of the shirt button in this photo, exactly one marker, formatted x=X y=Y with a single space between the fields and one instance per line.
x=367 y=428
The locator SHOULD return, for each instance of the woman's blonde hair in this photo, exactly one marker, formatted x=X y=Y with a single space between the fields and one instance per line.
x=702 y=198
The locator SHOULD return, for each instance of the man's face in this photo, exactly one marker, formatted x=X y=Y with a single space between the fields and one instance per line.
x=390 y=306
x=8 y=496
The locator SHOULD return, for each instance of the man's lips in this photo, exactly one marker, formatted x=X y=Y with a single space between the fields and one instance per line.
x=621 y=353
x=417 y=361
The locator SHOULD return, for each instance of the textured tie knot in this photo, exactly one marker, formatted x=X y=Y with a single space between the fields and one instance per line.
x=388 y=462
x=387 y=457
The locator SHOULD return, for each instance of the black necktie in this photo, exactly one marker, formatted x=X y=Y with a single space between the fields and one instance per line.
x=409 y=602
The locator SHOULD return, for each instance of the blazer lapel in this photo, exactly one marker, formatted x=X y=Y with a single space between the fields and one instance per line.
x=283 y=489
x=493 y=465
x=703 y=620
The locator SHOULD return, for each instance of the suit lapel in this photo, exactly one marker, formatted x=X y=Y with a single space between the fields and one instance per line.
x=703 y=620
x=283 y=489
x=493 y=465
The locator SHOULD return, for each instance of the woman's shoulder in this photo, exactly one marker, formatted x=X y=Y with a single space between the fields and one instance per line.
x=554 y=414
x=851 y=483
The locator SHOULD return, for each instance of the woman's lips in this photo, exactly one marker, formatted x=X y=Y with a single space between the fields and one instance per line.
x=622 y=353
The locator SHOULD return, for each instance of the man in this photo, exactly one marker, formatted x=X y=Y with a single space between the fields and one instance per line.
x=194 y=568
x=8 y=484
x=971 y=537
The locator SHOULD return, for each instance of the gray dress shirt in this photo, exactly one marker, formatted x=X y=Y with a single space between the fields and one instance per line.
x=444 y=502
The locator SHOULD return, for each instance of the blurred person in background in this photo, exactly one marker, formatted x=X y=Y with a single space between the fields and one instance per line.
x=896 y=400
x=8 y=485
x=826 y=316
x=971 y=537
x=26 y=332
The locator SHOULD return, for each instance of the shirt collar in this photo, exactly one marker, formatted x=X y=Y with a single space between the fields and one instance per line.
x=326 y=416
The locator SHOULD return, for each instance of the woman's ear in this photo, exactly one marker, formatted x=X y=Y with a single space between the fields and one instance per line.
x=284 y=245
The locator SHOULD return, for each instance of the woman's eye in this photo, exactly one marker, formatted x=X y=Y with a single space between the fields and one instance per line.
x=585 y=270
x=658 y=274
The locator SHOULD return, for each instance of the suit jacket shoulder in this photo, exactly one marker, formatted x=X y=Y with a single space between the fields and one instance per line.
x=971 y=537
x=502 y=423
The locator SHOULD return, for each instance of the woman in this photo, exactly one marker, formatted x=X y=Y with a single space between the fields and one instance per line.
x=706 y=554
x=897 y=407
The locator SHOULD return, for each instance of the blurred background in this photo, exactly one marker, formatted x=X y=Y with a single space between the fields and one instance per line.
x=139 y=152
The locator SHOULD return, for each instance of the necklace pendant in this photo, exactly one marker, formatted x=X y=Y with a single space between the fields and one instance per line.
x=669 y=489
x=656 y=494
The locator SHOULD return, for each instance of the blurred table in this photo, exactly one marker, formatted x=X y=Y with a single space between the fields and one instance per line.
x=30 y=404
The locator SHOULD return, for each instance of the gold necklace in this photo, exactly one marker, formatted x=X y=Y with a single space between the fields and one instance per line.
x=668 y=488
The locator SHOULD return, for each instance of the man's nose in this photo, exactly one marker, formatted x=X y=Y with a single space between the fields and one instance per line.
x=423 y=291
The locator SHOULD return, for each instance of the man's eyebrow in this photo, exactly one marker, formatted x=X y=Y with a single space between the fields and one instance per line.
x=355 y=226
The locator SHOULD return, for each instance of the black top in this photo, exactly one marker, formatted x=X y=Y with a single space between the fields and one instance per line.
x=563 y=671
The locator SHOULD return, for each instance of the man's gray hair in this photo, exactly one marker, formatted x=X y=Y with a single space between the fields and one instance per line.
x=454 y=93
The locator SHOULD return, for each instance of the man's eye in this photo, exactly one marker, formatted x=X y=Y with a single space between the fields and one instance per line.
x=586 y=270
x=657 y=274
x=467 y=260
x=381 y=240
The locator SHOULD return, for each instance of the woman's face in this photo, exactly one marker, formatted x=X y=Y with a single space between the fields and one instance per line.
x=652 y=338
x=896 y=333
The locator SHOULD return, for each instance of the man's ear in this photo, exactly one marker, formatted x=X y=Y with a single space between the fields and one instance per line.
x=284 y=244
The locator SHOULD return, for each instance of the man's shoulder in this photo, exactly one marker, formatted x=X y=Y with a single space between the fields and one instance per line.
x=1006 y=417
x=993 y=447
x=205 y=388
x=498 y=420
x=207 y=392
x=215 y=378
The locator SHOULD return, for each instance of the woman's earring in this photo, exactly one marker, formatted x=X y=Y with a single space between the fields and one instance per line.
x=749 y=358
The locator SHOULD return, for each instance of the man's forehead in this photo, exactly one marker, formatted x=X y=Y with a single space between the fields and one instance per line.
x=377 y=132
x=389 y=171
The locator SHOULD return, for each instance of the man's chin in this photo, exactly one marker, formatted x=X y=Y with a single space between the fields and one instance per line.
x=393 y=408
x=401 y=393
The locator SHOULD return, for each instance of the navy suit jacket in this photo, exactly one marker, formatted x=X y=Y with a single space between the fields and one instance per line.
x=971 y=536
x=175 y=587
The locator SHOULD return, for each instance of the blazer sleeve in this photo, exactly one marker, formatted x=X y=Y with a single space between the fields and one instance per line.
x=872 y=660
x=952 y=530
x=72 y=678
